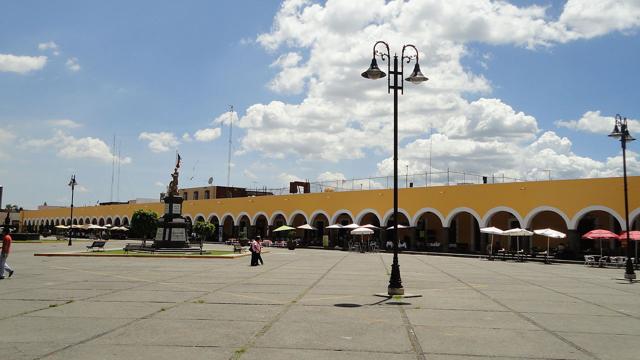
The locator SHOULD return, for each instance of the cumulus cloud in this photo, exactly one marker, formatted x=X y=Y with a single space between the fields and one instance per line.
x=160 y=142
x=72 y=64
x=21 y=64
x=70 y=147
x=186 y=137
x=50 y=45
x=595 y=123
x=342 y=116
x=205 y=135
x=6 y=137
x=65 y=123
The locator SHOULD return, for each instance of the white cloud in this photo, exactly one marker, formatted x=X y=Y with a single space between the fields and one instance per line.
x=72 y=64
x=69 y=147
x=6 y=137
x=342 y=116
x=225 y=118
x=160 y=142
x=594 y=122
x=249 y=174
x=287 y=178
x=65 y=123
x=21 y=64
x=82 y=189
x=205 y=135
x=186 y=137
x=50 y=45
x=331 y=176
x=159 y=184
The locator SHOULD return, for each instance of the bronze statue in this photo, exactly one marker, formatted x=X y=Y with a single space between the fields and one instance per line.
x=173 y=185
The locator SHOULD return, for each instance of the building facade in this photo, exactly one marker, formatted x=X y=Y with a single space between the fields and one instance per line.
x=439 y=218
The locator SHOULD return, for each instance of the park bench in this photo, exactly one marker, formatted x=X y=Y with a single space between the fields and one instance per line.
x=97 y=245
x=237 y=249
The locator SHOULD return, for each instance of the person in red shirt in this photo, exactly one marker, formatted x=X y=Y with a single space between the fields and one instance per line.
x=6 y=246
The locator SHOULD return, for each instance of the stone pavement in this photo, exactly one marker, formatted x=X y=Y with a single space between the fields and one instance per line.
x=311 y=304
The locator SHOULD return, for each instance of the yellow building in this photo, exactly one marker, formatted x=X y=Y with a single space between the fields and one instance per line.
x=439 y=217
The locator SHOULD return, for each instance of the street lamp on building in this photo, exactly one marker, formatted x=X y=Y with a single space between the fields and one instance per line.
x=73 y=184
x=416 y=77
x=620 y=131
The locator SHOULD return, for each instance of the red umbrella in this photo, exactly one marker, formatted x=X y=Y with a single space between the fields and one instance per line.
x=600 y=234
x=633 y=235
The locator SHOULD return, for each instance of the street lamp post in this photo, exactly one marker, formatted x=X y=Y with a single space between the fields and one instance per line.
x=73 y=184
x=620 y=131
x=416 y=77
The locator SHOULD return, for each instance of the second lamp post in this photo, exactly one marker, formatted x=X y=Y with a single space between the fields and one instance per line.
x=416 y=77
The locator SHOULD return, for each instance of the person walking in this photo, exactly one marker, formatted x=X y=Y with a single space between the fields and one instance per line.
x=259 y=252
x=6 y=246
x=254 y=255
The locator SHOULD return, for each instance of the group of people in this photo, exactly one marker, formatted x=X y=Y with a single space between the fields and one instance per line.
x=256 y=248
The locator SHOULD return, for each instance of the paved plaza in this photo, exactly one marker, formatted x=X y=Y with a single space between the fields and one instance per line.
x=311 y=304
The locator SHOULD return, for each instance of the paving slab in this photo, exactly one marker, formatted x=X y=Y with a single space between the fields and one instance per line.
x=312 y=304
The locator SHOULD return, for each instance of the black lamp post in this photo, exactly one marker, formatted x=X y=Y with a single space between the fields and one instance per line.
x=620 y=131
x=73 y=184
x=416 y=77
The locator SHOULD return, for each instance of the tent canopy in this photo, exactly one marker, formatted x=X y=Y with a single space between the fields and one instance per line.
x=600 y=234
x=306 y=227
x=492 y=230
x=517 y=232
x=334 y=226
x=284 y=228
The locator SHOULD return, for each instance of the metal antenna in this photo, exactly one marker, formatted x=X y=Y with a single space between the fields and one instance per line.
x=119 y=157
x=113 y=166
x=230 y=142
x=430 y=146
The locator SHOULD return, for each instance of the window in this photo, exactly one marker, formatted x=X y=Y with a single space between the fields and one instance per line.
x=206 y=194
x=185 y=195
x=195 y=195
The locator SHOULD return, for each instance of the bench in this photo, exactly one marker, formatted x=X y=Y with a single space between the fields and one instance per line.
x=96 y=245
x=237 y=249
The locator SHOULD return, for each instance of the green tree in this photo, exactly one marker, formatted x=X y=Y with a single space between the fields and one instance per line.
x=204 y=230
x=144 y=223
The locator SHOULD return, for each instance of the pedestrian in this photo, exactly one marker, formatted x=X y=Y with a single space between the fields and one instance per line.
x=6 y=246
x=254 y=255
x=259 y=251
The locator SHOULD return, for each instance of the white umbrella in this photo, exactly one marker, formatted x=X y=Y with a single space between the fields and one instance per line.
x=351 y=226
x=493 y=231
x=517 y=232
x=306 y=227
x=550 y=233
x=400 y=226
x=370 y=226
x=284 y=228
x=96 y=227
x=361 y=231
x=61 y=227
x=334 y=226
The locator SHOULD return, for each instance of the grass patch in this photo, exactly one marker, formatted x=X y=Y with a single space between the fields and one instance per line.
x=122 y=252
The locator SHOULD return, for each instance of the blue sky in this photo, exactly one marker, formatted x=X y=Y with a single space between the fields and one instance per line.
x=513 y=89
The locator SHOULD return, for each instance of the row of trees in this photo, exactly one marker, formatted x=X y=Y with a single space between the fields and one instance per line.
x=144 y=224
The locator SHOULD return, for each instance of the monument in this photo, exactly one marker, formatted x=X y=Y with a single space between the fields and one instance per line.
x=172 y=227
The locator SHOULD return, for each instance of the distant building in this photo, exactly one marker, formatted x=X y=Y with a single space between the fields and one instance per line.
x=217 y=192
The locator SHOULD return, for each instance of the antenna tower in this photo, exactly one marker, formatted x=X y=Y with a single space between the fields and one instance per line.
x=230 y=142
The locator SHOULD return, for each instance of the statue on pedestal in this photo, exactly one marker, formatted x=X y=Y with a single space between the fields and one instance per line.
x=172 y=227
x=173 y=185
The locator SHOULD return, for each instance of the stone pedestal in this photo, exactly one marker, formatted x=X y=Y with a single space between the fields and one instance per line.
x=172 y=227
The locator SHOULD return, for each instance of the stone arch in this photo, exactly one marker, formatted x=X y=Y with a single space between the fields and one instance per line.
x=464 y=231
x=94 y=221
x=109 y=221
x=240 y=218
x=634 y=219
x=258 y=214
x=365 y=212
x=389 y=214
x=274 y=215
x=456 y=211
x=188 y=218
x=200 y=217
x=338 y=213
x=261 y=224
x=532 y=214
x=81 y=221
x=57 y=222
x=296 y=213
x=419 y=213
x=317 y=213
x=101 y=221
x=87 y=220
x=498 y=209
x=125 y=221
x=117 y=221
x=580 y=214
